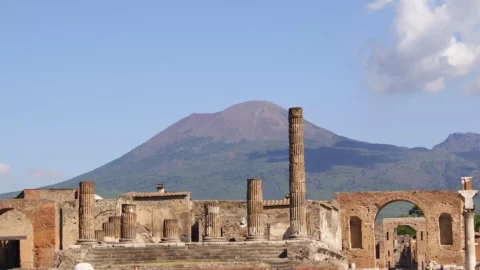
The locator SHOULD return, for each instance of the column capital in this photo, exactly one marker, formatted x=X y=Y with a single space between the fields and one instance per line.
x=467 y=197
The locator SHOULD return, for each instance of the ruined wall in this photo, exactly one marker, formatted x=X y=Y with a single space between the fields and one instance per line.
x=330 y=231
x=58 y=195
x=276 y=216
x=366 y=206
x=27 y=217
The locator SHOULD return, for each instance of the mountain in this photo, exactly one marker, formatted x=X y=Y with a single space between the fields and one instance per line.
x=212 y=155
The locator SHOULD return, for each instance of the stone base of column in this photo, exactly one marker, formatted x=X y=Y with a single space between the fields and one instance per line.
x=170 y=240
x=255 y=238
x=86 y=241
x=213 y=239
x=108 y=239
x=126 y=240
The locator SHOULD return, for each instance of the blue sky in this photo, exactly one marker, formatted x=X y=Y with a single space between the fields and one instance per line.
x=83 y=83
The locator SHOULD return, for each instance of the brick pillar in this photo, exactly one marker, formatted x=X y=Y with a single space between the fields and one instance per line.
x=170 y=231
x=256 y=230
x=86 y=212
x=298 y=202
x=99 y=235
x=117 y=227
x=213 y=227
x=109 y=232
x=129 y=222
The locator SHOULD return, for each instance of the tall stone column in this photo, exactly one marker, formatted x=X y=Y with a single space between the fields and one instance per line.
x=109 y=232
x=298 y=203
x=170 y=231
x=256 y=230
x=213 y=227
x=117 y=226
x=129 y=222
x=86 y=212
x=467 y=195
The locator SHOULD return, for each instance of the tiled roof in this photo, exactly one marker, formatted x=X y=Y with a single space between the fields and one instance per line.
x=283 y=202
x=157 y=194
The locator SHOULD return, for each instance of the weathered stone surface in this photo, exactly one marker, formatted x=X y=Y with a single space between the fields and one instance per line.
x=213 y=226
x=298 y=201
x=366 y=205
x=256 y=228
x=37 y=220
x=129 y=222
x=86 y=211
x=170 y=231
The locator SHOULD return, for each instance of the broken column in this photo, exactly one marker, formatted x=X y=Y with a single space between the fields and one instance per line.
x=99 y=235
x=467 y=195
x=109 y=232
x=256 y=230
x=170 y=231
x=117 y=226
x=213 y=228
x=298 y=203
x=129 y=222
x=86 y=212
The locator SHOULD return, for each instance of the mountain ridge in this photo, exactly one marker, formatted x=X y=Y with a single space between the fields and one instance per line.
x=212 y=154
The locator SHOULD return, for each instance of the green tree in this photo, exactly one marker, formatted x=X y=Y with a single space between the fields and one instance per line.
x=406 y=230
x=477 y=222
x=416 y=212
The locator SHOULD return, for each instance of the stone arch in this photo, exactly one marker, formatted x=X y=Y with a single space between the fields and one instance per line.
x=445 y=229
x=398 y=198
x=15 y=225
x=355 y=232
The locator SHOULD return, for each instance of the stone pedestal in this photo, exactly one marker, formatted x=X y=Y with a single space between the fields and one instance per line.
x=213 y=227
x=170 y=231
x=298 y=203
x=117 y=226
x=256 y=230
x=129 y=222
x=109 y=232
x=86 y=212
x=469 y=226
x=99 y=235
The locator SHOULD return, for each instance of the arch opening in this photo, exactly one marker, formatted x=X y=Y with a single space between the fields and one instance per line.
x=16 y=240
x=398 y=225
x=355 y=232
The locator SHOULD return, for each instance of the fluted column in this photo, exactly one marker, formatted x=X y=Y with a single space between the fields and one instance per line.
x=256 y=231
x=170 y=230
x=298 y=202
x=86 y=212
x=117 y=226
x=129 y=220
x=109 y=232
x=99 y=235
x=213 y=227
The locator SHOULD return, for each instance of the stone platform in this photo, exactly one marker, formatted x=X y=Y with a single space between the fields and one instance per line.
x=211 y=255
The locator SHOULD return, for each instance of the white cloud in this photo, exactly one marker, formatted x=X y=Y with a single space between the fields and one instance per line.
x=46 y=174
x=377 y=5
x=434 y=41
x=5 y=169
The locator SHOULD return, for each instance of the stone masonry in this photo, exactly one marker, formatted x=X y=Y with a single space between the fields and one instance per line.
x=170 y=231
x=213 y=227
x=256 y=229
x=298 y=212
x=85 y=212
x=129 y=222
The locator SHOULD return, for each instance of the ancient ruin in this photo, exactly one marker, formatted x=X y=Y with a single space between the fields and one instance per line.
x=57 y=228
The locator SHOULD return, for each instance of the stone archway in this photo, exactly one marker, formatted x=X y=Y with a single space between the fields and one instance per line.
x=16 y=226
x=366 y=205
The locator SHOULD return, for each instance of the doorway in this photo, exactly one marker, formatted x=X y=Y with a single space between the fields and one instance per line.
x=9 y=254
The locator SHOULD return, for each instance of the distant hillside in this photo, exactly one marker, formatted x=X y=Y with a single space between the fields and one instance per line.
x=213 y=154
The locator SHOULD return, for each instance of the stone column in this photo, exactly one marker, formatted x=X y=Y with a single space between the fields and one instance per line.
x=99 y=235
x=170 y=231
x=298 y=203
x=469 y=226
x=109 y=232
x=86 y=212
x=256 y=230
x=213 y=227
x=129 y=222
x=117 y=227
